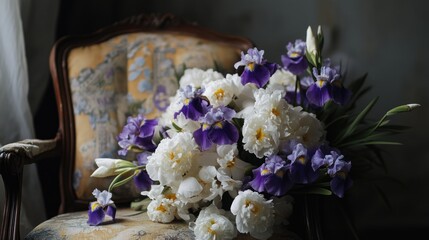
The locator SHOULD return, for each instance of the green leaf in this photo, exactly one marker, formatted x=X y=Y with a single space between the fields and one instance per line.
x=179 y=129
x=352 y=127
x=239 y=122
x=140 y=205
x=316 y=190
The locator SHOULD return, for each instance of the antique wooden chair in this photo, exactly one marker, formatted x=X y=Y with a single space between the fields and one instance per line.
x=99 y=79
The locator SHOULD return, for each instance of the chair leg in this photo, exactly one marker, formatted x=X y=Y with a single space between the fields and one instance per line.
x=11 y=212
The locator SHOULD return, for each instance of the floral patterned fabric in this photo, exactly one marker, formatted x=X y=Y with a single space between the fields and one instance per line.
x=126 y=75
x=129 y=224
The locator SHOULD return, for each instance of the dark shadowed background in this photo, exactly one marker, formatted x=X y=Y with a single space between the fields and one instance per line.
x=386 y=39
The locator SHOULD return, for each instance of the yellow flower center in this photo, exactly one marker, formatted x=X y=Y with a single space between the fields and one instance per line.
x=218 y=124
x=161 y=208
x=171 y=155
x=275 y=112
x=94 y=206
x=302 y=160
x=186 y=101
x=320 y=83
x=230 y=164
x=260 y=134
x=251 y=66
x=294 y=54
x=280 y=173
x=220 y=93
x=253 y=207
x=265 y=172
x=170 y=196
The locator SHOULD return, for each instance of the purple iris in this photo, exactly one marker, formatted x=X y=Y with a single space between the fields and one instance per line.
x=137 y=133
x=327 y=86
x=301 y=170
x=341 y=180
x=272 y=177
x=217 y=128
x=100 y=208
x=194 y=105
x=337 y=167
x=325 y=156
x=142 y=180
x=256 y=69
x=294 y=61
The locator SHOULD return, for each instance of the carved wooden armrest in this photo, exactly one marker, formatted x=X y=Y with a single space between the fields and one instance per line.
x=13 y=157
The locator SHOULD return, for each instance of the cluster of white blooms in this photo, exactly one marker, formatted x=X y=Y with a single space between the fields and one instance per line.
x=272 y=121
x=188 y=178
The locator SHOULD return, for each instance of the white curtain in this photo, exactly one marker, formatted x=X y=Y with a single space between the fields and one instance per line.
x=16 y=119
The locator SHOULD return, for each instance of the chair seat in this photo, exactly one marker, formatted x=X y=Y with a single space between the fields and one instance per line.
x=129 y=224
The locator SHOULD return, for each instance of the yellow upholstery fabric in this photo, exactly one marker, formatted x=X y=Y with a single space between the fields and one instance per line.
x=123 y=76
x=128 y=225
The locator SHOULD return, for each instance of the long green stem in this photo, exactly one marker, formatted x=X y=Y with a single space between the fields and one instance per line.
x=116 y=179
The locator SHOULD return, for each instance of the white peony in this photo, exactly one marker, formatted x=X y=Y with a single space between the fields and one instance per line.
x=176 y=104
x=212 y=225
x=190 y=190
x=198 y=78
x=229 y=162
x=271 y=105
x=281 y=80
x=260 y=136
x=254 y=214
x=172 y=159
x=220 y=92
x=155 y=192
x=305 y=128
x=161 y=210
x=183 y=123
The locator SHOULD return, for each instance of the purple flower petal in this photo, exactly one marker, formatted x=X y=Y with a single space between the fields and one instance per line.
x=196 y=108
x=303 y=173
x=272 y=177
x=111 y=211
x=143 y=181
x=340 y=184
x=95 y=214
x=319 y=95
x=202 y=139
x=300 y=169
x=279 y=184
x=148 y=128
x=142 y=158
x=259 y=76
x=223 y=133
x=258 y=183
x=296 y=66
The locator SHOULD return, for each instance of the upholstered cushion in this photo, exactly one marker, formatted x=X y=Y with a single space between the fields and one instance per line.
x=129 y=225
x=125 y=75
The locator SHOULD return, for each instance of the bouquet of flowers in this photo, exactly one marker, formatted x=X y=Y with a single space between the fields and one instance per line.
x=230 y=150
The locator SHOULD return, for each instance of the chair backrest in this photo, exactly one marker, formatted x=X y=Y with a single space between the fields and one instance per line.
x=128 y=68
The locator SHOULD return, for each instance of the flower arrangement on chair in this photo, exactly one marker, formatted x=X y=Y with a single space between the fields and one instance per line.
x=230 y=150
